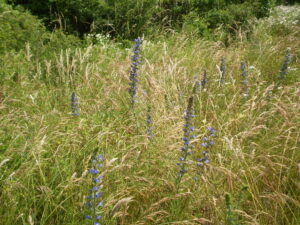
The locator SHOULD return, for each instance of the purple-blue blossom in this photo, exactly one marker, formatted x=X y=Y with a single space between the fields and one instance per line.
x=284 y=68
x=74 y=104
x=207 y=143
x=94 y=201
x=133 y=78
x=187 y=137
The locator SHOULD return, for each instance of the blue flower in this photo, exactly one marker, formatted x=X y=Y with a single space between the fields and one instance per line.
x=96 y=180
x=207 y=144
x=95 y=194
x=133 y=84
x=93 y=171
x=187 y=136
x=284 y=68
x=95 y=188
x=74 y=104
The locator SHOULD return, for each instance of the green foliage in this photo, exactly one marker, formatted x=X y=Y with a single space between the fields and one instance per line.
x=118 y=18
x=45 y=151
x=24 y=38
x=232 y=204
x=132 y=18
x=18 y=28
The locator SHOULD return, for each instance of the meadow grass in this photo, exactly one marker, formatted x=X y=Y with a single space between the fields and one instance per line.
x=253 y=173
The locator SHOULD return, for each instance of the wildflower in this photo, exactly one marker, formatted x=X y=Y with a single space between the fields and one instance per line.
x=133 y=84
x=207 y=144
x=223 y=69
x=284 y=68
x=244 y=80
x=74 y=104
x=188 y=135
x=93 y=199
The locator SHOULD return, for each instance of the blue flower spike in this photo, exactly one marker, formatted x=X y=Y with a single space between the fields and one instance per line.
x=284 y=68
x=187 y=137
x=133 y=78
x=74 y=104
x=207 y=143
x=94 y=202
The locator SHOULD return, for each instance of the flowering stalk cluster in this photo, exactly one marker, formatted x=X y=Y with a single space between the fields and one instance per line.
x=244 y=79
x=74 y=104
x=133 y=84
x=94 y=202
x=149 y=121
x=188 y=136
x=223 y=69
x=284 y=68
x=206 y=144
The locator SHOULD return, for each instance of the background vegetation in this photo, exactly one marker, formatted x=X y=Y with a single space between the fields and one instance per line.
x=132 y=18
x=45 y=151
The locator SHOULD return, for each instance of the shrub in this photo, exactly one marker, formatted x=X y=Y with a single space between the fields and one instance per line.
x=132 y=18
x=118 y=18
x=17 y=28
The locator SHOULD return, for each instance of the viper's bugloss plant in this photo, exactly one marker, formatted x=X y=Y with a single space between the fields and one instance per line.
x=206 y=144
x=74 y=104
x=244 y=79
x=134 y=71
x=94 y=198
x=284 y=68
x=223 y=69
x=187 y=137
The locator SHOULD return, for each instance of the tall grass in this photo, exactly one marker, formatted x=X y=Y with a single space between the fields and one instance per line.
x=45 y=151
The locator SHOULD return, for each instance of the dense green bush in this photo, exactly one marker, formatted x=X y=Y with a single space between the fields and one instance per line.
x=118 y=18
x=131 y=18
x=19 y=28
